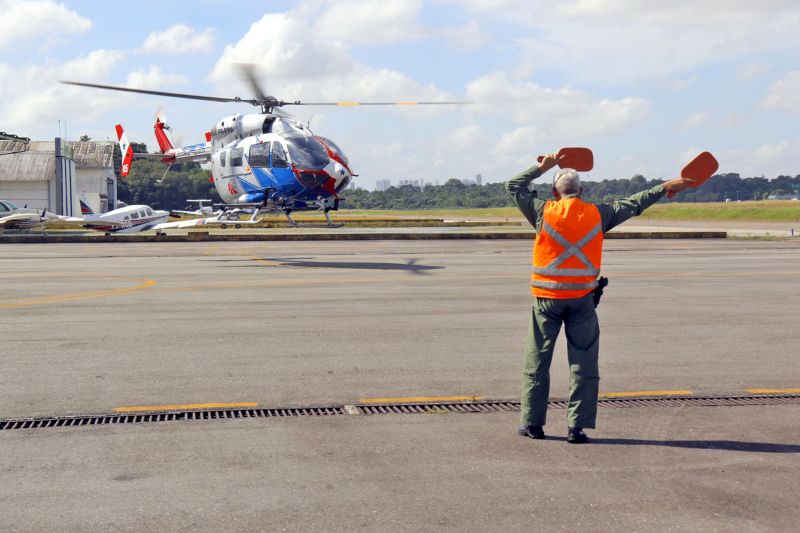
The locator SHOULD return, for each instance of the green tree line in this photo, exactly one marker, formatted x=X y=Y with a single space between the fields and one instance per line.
x=142 y=186
x=186 y=181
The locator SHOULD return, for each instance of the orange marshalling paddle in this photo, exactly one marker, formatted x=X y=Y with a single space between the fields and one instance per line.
x=699 y=169
x=581 y=159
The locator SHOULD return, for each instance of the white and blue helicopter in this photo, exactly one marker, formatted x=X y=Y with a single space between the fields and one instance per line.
x=263 y=161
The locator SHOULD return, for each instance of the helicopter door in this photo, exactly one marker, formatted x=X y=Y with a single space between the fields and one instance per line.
x=279 y=164
x=278 y=154
x=259 y=155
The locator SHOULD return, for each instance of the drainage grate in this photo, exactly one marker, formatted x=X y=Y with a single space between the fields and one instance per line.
x=99 y=420
x=492 y=406
x=488 y=406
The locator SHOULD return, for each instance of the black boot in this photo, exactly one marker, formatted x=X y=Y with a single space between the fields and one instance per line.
x=534 y=432
x=576 y=436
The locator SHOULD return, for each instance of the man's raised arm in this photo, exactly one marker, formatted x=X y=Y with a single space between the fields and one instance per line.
x=618 y=212
x=520 y=187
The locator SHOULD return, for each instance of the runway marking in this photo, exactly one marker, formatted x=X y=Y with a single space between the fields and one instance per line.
x=631 y=394
x=773 y=391
x=419 y=399
x=57 y=298
x=264 y=262
x=180 y=407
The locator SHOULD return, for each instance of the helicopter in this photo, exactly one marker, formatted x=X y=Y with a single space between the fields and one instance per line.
x=265 y=161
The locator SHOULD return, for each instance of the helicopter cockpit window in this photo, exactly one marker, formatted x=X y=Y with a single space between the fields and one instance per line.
x=278 y=156
x=259 y=155
x=307 y=152
x=236 y=157
x=222 y=158
x=333 y=146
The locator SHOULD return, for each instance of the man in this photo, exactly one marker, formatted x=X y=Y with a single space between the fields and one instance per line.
x=566 y=262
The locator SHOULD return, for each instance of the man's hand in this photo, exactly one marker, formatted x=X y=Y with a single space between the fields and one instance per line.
x=677 y=185
x=548 y=162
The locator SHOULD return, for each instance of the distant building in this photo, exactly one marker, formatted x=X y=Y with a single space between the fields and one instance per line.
x=478 y=179
x=382 y=185
x=56 y=175
x=413 y=183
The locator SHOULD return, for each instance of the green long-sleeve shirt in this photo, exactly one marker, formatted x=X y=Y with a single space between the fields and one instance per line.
x=612 y=215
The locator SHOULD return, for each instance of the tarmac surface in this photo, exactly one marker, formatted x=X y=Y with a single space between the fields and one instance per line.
x=89 y=328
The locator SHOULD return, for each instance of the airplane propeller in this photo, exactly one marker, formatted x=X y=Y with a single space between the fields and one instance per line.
x=266 y=102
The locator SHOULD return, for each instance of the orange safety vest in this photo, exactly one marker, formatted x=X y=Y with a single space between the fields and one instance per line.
x=568 y=250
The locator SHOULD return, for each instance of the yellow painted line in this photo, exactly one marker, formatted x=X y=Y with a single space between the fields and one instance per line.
x=420 y=399
x=347 y=103
x=773 y=391
x=44 y=300
x=181 y=407
x=633 y=394
x=264 y=262
x=406 y=103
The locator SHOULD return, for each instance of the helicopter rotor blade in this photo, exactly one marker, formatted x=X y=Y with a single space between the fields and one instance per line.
x=247 y=71
x=164 y=93
x=354 y=104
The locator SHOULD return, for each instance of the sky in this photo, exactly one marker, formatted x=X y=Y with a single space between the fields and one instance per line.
x=645 y=84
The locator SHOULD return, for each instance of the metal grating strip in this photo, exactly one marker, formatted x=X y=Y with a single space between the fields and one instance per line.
x=488 y=406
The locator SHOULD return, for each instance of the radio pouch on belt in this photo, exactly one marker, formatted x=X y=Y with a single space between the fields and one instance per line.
x=598 y=291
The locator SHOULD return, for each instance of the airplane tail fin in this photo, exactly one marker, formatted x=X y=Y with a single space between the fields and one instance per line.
x=86 y=210
x=126 y=150
x=161 y=136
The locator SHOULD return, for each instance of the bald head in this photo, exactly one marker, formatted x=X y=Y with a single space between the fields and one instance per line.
x=567 y=181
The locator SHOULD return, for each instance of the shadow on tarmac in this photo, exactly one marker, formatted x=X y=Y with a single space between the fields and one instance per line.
x=726 y=445
x=410 y=265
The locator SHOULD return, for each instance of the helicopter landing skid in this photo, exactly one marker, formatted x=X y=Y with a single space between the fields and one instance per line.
x=330 y=223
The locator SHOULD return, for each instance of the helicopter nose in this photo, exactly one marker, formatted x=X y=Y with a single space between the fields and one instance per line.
x=341 y=176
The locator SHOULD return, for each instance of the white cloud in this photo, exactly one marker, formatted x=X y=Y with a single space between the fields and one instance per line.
x=695 y=120
x=619 y=41
x=370 y=22
x=769 y=160
x=466 y=37
x=683 y=84
x=561 y=113
x=32 y=98
x=519 y=143
x=32 y=20
x=784 y=94
x=750 y=71
x=180 y=39
x=154 y=78
x=298 y=64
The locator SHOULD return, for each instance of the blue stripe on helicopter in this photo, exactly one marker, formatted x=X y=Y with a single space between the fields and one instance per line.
x=264 y=177
x=248 y=187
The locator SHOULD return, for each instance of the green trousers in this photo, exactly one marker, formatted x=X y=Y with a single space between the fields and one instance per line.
x=583 y=340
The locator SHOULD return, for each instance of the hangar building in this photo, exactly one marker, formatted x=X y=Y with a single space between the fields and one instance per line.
x=56 y=174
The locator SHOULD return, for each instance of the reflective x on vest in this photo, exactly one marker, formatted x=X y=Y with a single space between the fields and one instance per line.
x=552 y=249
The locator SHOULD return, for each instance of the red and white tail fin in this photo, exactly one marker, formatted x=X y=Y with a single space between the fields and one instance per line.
x=125 y=149
x=161 y=136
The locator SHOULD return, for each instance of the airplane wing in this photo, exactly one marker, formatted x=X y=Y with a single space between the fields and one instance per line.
x=104 y=224
x=20 y=221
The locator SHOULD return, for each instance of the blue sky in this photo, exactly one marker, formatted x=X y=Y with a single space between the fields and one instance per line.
x=646 y=85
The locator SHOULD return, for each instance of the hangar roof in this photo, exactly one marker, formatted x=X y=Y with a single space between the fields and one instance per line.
x=27 y=166
x=87 y=154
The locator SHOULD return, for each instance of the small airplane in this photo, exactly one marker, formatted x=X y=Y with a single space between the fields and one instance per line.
x=202 y=210
x=128 y=219
x=265 y=161
x=22 y=219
